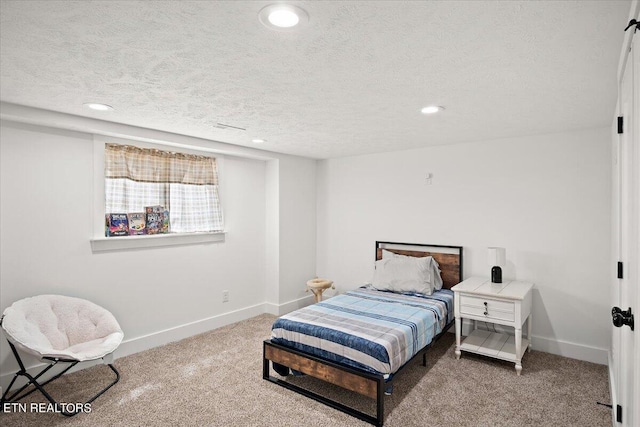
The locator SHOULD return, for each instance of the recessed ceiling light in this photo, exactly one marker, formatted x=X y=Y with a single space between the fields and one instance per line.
x=258 y=141
x=98 y=107
x=431 y=109
x=283 y=16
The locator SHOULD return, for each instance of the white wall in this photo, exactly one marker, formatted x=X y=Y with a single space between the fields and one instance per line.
x=157 y=294
x=298 y=237
x=272 y=235
x=546 y=199
x=291 y=232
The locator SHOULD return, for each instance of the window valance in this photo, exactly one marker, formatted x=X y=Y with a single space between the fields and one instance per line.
x=152 y=165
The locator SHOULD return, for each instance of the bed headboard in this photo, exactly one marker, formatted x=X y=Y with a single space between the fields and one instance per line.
x=449 y=257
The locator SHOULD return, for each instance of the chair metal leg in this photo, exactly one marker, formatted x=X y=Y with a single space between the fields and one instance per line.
x=33 y=380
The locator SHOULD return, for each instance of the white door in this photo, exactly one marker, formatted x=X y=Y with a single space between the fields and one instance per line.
x=624 y=363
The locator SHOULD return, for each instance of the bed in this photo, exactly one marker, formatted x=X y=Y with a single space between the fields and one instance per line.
x=362 y=339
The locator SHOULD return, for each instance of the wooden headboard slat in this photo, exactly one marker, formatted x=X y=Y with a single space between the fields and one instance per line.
x=448 y=257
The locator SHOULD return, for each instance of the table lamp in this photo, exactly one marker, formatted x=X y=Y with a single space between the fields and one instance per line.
x=497 y=259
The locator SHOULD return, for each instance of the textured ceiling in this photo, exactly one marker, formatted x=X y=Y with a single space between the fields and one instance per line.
x=352 y=81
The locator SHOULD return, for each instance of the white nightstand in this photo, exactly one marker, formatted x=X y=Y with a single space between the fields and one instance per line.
x=507 y=303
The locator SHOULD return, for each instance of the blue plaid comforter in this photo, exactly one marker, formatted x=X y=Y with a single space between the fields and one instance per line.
x=372 y=330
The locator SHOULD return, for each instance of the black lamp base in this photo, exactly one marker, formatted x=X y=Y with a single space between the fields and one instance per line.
x=496 y=275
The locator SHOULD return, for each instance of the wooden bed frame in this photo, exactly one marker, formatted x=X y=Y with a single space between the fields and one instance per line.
x=365 y=383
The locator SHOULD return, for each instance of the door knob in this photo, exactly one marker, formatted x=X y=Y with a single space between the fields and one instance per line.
x=621 y=317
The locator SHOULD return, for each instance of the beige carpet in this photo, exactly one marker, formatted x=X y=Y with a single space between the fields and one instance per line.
x=215 y=379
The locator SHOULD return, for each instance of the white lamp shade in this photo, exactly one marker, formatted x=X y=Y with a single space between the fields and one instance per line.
x=497 y=257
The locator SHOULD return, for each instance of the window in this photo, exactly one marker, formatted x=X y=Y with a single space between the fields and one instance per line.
x=160 y=192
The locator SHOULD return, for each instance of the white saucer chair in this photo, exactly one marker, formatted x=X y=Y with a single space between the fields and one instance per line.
x=59 y=329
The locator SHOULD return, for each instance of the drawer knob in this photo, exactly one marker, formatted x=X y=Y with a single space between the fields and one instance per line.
x=485 y=313
x=485 y=303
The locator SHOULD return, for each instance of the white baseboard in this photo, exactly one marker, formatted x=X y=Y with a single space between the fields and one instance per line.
x=156 y=339
x=288 y=307
x=553 y=346
x=570 y=349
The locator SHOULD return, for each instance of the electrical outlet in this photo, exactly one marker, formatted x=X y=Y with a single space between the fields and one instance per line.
x=225 y=296
x=427 y=179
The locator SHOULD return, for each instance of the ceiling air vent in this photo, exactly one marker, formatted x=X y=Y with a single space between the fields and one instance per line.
x=223 y=126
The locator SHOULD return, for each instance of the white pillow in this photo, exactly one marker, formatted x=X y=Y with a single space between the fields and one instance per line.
x=435 y=273
x=406 y=274
x=434 y=267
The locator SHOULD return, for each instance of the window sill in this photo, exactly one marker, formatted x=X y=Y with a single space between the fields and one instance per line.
x=104 y=244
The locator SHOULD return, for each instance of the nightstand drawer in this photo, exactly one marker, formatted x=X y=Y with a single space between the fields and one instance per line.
x=487 y=307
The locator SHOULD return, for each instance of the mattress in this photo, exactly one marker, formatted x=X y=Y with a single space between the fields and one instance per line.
x=373 y=330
